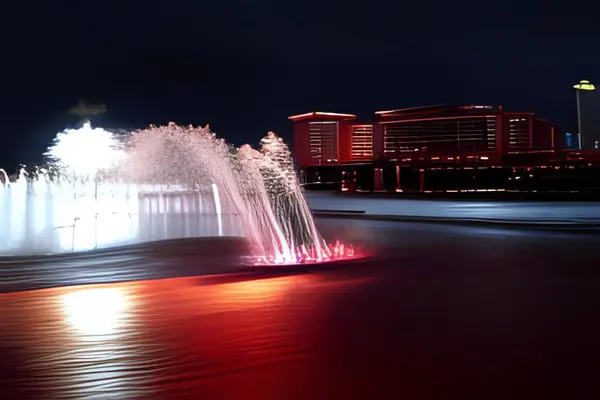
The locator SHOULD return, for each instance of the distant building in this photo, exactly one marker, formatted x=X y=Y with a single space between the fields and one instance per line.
x=456 y=130
x=322 y=138
x=435 y=148
x=571 y=140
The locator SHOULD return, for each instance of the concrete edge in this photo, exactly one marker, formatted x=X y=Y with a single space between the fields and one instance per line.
x=515 y=224
x=240 y=273
x=246 y=273
x=318 y=210
x=128 y=250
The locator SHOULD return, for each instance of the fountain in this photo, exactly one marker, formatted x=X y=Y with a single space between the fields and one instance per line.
x=103 y=190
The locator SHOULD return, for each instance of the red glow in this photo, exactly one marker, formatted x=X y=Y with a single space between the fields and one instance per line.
x=336 y=251
x=543 y=135
x=438 y=119
x=407 y=109
x=321 y=114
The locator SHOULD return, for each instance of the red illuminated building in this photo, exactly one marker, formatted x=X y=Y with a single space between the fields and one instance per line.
x=427 y=147
x=325 y=138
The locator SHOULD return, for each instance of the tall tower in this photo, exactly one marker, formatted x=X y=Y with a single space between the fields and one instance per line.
x=588 y=118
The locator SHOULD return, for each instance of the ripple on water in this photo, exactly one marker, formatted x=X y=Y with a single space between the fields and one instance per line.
x=152 y=338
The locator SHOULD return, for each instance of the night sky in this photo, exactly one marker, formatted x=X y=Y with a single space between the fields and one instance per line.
x=245 y=66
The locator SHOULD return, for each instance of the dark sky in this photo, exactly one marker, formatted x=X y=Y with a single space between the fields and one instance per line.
x=245 y=66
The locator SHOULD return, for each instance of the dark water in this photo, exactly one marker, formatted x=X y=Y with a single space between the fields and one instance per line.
x=450 y=312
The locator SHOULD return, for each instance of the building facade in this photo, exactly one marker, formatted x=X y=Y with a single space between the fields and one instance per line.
x=431 y=148
x=322 y=138
x=455 y=130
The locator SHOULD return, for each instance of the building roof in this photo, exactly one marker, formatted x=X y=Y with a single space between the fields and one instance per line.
x=317 y=114
x=435 y=108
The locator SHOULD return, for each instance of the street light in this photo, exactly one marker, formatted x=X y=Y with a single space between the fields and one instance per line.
x=582 y=85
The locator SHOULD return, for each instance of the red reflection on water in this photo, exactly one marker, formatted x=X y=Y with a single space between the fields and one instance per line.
x=164 y=339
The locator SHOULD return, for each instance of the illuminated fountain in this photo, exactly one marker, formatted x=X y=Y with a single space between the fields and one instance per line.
x=70 y=207
x=104 y=190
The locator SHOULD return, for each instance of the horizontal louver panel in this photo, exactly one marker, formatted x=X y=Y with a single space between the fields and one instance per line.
x=323 y=140
x=452 y=135
x=362 y=142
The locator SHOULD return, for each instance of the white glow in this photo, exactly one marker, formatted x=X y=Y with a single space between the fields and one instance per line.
x=86 y=150
x=218 y=210
x=96 y=312
x=159 y=190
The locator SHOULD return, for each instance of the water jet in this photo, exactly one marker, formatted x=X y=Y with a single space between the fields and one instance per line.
x=102 y=190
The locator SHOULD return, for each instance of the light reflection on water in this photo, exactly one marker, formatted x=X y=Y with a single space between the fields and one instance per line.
x=96 y=313
x=154 y=338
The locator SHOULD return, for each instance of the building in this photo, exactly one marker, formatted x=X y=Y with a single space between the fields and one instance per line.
x=571 y=140
x=322 y=138
x=589 y=104
x=455 y=130
x=428 y=148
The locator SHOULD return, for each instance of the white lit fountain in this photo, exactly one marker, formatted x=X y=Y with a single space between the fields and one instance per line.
x=105 y=190
x=72 y=206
